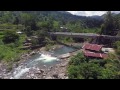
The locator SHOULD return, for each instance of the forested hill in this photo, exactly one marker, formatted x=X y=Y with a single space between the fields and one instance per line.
x=61 y=17
x=65 y=17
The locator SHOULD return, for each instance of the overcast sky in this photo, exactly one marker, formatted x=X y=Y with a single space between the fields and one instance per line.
x=90 y=13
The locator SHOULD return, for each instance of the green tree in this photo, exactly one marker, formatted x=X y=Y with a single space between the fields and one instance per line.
x=56 y=25
x=28 y=20
x=108 y=26
x=78 y=59
x=116 y=45
x=90 y=70
x=73 y=72
x=85 y=71
x=28 y=31
x=83 y=68
x=10 y=36
x=48 y=25
x=7 y=17
x=16 y=21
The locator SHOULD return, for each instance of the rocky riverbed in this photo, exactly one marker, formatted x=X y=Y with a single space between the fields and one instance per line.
x=57 y=71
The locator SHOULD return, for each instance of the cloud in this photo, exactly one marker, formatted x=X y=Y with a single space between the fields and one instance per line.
x=90 y=13
x=116 y=12
x=87 y=13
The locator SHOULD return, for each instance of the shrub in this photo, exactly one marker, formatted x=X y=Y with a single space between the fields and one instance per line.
x=10 y=36
x=116 y=44
x=83 y=68
x=48 y=47
x=78 y=59
x=84 y=71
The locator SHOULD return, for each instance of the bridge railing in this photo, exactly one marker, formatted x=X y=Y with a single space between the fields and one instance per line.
x=92 y=35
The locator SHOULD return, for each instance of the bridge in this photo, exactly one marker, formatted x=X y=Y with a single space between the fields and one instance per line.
x=84 y=35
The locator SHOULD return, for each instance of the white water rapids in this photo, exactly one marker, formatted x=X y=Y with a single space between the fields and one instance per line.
x=39 y=60
x=19 y=71
x=46 y=58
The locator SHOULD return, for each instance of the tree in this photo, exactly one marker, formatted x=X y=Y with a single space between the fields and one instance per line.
x=28 y=31
x=28 y=20
x=7 y=17
x=78 y=59
x=43 y=24
x=16 y=21
x=90 y=70
x=73 y=72
x=48 y=25
x=74 y=68
x=83 y=68
x=107 y=74
x=116 y=45
x=56 y=25
x=33 y=25
x=108 y=27
x=10 y=36
x=84 y=71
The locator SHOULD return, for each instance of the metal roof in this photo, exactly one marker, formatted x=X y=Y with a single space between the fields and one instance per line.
x=94 y=47
x=92 y=54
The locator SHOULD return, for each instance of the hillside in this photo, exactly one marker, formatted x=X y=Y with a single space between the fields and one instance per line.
x=61 y=16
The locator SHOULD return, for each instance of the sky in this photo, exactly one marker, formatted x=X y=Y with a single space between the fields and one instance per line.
x=90 y=13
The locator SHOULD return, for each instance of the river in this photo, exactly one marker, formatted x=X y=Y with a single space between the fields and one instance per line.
x=40 y=60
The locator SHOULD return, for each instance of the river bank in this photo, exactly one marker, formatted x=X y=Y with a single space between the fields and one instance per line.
x=57 y=71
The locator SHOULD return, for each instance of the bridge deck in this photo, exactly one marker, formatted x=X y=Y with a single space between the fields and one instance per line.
x=68 y=33
x=83 y=35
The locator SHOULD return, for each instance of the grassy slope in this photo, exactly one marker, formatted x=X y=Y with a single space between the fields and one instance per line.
x=11 y=52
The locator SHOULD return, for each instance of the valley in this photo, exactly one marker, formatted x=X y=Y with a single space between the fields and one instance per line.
x=59 y=45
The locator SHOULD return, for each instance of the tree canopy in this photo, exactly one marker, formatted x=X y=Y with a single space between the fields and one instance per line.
x=111 y=24
x=81 y=67
x=52 y=20
x=10 y=36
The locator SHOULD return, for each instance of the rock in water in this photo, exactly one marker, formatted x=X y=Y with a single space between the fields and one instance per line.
x=64 y=56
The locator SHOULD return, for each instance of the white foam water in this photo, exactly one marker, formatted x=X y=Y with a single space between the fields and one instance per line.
x=19 y=72
x=46 y=58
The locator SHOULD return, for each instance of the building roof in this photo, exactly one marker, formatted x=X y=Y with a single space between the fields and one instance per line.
x=92 y=54
x=94 y=47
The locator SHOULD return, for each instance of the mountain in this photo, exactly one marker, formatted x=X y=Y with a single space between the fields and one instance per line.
x=96 y=17
x=62 y=17
x=65 y=12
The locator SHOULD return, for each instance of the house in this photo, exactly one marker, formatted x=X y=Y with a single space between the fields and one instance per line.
x=94 y=54
x=93 y=51
x=92 y=47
